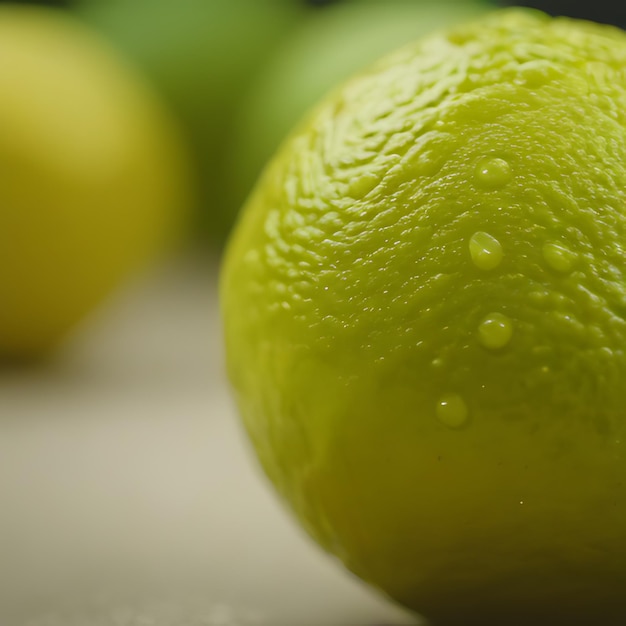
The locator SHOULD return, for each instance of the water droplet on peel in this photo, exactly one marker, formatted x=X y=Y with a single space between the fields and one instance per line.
x=495 y=331
x=452 y=410
x=558 y=257
x=485 y=250
x=493 y=172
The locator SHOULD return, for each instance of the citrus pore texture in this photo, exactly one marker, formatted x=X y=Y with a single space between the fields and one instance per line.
x=424 y=308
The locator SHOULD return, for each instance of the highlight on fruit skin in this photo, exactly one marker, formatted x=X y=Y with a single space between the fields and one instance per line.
x=424 y=309
x=95 y=180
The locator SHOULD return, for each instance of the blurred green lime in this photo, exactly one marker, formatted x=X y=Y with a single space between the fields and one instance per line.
x=201 y=54
x=322 y=52
x=94 y=179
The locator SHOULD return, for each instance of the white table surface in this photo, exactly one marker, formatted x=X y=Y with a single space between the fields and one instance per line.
x=128 y=495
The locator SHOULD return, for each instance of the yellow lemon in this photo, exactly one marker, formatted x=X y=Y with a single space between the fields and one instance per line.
x=93 y=176
x=424 y=307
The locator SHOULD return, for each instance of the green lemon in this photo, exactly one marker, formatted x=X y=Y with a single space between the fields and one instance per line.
x=200 y=54
x=424 y=307
x=94 y=179
x=322 y=52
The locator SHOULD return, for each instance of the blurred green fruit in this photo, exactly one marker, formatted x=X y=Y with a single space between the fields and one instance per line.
x=201 y=55
x=94 y=180
x=333 y=44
